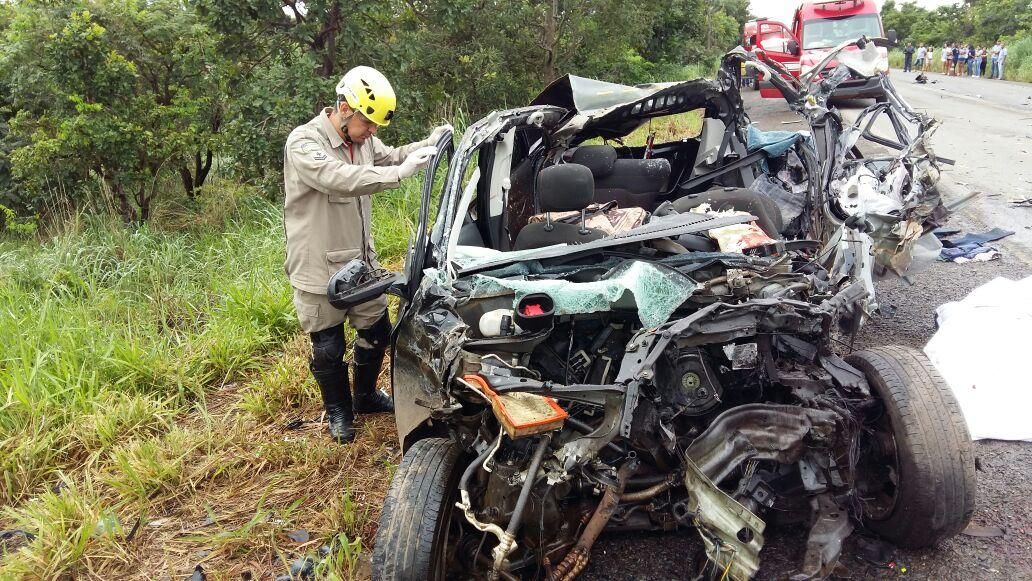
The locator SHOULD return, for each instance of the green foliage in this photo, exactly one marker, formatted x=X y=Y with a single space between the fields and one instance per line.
x=111 y=92
x=1019 y=60
x=981 y=23
x=109 y=101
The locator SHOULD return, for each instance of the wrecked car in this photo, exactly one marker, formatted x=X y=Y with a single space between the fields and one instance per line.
x=596 y=336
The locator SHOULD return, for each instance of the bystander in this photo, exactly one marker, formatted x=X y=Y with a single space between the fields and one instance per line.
x=1002 y=58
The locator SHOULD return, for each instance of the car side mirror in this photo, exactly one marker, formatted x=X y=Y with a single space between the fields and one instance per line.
x=793 y=47
x=891 y=35
x=356 y=283
x=751 y=41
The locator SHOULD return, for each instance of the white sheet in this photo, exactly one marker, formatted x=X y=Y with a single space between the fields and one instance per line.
x=983 y=349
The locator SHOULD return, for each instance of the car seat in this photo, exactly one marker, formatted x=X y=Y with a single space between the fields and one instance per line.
x=628 y=182
x=768 y=215
x=561 y=188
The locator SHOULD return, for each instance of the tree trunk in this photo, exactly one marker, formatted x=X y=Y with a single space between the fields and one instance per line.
x=125 y=207
x=193 y=181
x=143 y=201
x=329 y=55
x=188 y=181
x=550 y=41
x=201 y=175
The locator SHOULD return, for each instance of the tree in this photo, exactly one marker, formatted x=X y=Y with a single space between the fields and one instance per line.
x=115 y=91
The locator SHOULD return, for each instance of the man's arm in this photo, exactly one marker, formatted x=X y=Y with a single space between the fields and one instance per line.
x=385 y=155
x=317 y=168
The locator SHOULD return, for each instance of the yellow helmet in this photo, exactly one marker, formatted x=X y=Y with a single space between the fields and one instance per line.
x=366 y=90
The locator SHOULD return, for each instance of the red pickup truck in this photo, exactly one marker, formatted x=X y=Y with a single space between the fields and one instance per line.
x=818 y=26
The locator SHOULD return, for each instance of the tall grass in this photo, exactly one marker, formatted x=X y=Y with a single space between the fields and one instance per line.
x=896 y=58
x=104 y=331
x=109 y=335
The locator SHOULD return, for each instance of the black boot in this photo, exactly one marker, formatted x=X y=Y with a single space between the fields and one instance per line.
x=368 y=399
x=336 y=395
x=369 y=352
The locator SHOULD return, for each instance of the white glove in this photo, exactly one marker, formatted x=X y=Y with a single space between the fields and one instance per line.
x=439 y=132
x=416 y=161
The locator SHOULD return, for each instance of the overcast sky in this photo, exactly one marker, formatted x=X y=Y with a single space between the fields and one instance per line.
x=782 y=9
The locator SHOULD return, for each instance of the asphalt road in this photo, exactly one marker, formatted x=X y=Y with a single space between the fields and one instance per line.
x=987 y=128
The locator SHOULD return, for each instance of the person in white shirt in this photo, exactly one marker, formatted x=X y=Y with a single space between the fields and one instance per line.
x=922 y=52
x=1000 y=60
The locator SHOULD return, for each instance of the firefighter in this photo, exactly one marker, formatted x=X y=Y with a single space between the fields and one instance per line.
x=331 y=167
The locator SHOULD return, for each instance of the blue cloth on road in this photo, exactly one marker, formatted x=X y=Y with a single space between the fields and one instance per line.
x=773 y=143
x=965 y=251
x=994 y=234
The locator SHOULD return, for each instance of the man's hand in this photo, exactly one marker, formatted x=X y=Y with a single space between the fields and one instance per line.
x=439 y=132
x=416 y=161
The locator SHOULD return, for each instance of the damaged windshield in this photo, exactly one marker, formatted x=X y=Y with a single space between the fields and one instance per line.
x=828 y=32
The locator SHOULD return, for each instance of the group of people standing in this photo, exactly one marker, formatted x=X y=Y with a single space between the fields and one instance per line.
x=958 y=60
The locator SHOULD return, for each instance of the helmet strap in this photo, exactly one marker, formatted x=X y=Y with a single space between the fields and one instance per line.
x=344 y=122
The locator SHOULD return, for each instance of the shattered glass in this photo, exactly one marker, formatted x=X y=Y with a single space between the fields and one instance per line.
x=655 y=292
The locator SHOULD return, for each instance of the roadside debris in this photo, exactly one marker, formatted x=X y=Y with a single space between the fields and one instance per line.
x=983 y=532
x=970 y=247
x=875 y=551
x=299 y=536
x=14 y=539
x=981 y=349
x=300 y=569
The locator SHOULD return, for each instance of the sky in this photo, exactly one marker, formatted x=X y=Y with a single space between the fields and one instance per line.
x=782 y=9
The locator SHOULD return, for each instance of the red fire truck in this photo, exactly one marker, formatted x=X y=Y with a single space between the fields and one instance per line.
x=818 y=26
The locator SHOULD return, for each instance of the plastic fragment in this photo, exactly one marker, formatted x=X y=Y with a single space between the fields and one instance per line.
x=299 y=536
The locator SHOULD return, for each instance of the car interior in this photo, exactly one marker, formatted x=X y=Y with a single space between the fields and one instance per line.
x=520 y=178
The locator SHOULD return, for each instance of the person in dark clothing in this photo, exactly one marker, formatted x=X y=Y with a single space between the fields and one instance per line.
x=956 y=59
x=970 y=60
x=908 y=57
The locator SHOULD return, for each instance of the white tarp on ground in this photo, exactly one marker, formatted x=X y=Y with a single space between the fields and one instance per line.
x=983 y=349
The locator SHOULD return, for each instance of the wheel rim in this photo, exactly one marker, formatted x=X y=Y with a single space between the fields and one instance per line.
x=449 y=544
x=877 y=468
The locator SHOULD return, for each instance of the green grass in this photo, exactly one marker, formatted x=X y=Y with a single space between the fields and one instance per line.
x=896 y=58
x=120 y=327
x=111 y=337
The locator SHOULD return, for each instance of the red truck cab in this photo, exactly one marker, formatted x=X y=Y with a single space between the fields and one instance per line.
x=817 y=27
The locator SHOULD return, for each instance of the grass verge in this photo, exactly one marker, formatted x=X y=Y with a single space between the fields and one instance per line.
x=157 y=412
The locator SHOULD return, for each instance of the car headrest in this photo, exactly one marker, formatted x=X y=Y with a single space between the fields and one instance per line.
x=598 y=158
x=565 y=188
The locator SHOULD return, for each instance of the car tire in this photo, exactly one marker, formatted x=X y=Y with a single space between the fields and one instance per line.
x=935 y=483
x=416 y=512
